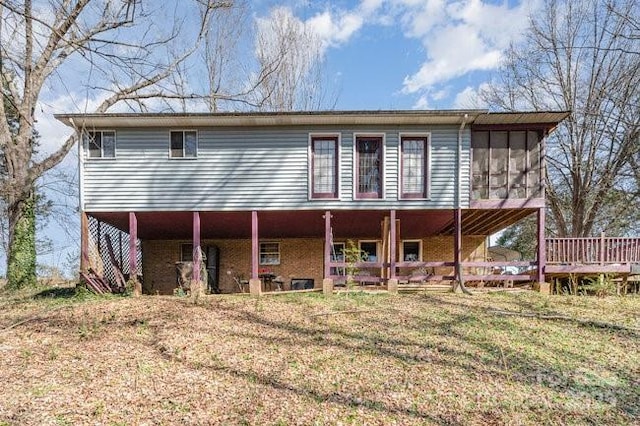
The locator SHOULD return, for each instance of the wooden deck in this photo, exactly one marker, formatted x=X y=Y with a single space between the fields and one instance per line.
x=596 y=255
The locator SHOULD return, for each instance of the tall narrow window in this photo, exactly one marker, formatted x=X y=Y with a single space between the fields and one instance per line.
x=101 y=144
x=369 y=167
x=324 y=167
x=184 y=144
x=414 y=166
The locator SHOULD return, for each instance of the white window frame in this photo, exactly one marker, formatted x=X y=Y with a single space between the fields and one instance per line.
x=260 y=252
x=420 y=253
x=102 y=132
x=377 y=242
x=427 y=176
x=310 y=165
x=183 y=131
x=383 y=161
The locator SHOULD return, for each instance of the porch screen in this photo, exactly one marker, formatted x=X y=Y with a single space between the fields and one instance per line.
x=369 y=167
x=324 y=159
x=414 y=167
x=506 y=164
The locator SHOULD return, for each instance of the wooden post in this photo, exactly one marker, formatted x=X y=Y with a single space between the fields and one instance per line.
x=328 y=241
x=602 y=249
x=133 y=254
x=392 y=245
x=457 y=247
x=254 y=245
x=99 y=238
x=197 y=258
x=84 y=242
x=542 y=254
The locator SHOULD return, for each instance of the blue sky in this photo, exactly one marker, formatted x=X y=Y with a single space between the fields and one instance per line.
x=377 y=54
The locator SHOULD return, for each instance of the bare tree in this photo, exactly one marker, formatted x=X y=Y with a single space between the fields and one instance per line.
x=290 y=58
x=580 y=56
x=125 y=52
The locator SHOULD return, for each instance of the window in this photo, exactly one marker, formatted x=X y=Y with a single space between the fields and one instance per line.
x=369 y=170
x=184 y=144
x=269 y=253
x=337 y=255
x=411 y=251
x=186 y=252
x=370 y=250
x=414 y=165
x=101 y=144
x=506 y=164
x=324 y=167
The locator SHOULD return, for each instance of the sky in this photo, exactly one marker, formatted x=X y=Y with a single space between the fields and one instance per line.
x=377 y=54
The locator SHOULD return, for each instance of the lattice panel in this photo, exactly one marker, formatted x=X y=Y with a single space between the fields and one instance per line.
x=99 y=258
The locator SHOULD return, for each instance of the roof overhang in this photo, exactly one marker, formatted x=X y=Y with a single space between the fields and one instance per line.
x=476 y=117
x=252 y=119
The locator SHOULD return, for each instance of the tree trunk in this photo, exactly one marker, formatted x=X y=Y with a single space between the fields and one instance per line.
x=21 y=262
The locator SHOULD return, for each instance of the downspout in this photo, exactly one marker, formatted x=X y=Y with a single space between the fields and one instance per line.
x=460 y=281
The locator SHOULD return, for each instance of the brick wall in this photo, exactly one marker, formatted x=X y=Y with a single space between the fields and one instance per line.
x=299 y=258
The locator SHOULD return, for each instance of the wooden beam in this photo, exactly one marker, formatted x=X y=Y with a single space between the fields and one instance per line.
x=84 y=242
x=197 y=252
x=133 y=250
x=508 y=203
x=328 y=241
x=255 y=250
x=457 y=244
x=541 y=246
x=393 y=254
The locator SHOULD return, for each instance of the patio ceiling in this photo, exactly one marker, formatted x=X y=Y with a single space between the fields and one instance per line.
x=310 y=223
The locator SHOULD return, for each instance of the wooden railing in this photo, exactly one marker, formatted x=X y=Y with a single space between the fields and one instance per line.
x=596 y=250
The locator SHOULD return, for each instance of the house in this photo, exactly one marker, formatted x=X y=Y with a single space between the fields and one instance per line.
x=259 y=195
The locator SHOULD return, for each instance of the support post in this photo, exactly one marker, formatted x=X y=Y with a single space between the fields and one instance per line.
x=254 y=245
x=327 y=244
x=84 y=242
x=133 y=254
x=541 y=246
x=197 y=252
x=457 y=248
x=392 y=245
x=602 y=249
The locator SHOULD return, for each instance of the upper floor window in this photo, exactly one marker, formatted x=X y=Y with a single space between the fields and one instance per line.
x=369 y=171
x=324 y=167
x=506 y=164
x=101 y=144
x=184 y=144
x=414 y=157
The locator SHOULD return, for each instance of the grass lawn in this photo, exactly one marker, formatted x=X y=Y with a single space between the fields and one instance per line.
x=407 y=359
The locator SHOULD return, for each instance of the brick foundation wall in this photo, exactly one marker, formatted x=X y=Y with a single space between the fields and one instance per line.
x=299 y=258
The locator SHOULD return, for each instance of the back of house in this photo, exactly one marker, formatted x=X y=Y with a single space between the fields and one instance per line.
x=281 y=196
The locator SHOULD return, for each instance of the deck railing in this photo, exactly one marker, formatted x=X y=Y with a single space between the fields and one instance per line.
x=596 y=250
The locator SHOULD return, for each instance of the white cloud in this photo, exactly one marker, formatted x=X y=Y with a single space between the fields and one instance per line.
x=470 y=97
x=459 y=37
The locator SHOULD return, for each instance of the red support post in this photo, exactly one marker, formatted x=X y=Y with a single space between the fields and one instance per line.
x=254 y=245
x=457 y=244
x=541 y=246
x=328 y=241
x=133 y=250
x=392 y=245
x=197 y=252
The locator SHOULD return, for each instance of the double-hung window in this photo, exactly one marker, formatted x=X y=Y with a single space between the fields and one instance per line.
x=368 y=164
x=324 y=166
x=184 y=144
x=414 y=164
x=269 y=253
x=101 y=144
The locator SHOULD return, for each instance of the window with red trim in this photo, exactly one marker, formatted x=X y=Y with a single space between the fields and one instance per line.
x=414 y=163
x=324 y=167
x=369 y=170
